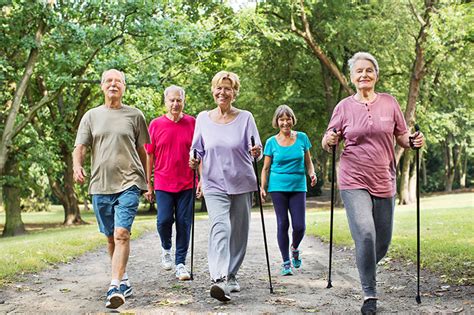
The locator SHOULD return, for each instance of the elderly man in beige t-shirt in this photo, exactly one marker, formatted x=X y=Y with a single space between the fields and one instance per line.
x=116 y=134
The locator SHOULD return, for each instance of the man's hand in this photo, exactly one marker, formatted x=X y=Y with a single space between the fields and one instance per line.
x=79 y=174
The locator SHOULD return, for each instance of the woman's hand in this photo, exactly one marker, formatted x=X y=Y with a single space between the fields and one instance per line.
x=263 y=194
x=417 y=140
x=332 y=138
x=193 y=163
x=255 y=151
x=314 y=179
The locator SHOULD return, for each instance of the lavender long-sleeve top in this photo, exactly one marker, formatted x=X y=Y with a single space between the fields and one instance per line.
x=224 y=150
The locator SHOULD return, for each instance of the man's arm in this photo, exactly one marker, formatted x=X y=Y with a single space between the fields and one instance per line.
x=78 y=156
x=142 y=155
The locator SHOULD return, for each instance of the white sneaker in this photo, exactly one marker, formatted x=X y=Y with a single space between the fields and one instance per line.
x=166 y=260
x=181 y=272
x=233 y=284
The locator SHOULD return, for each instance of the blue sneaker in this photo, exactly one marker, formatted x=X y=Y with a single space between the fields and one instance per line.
x=126 y=288
x=286 y=269
x=115 y=298
x=296 y=261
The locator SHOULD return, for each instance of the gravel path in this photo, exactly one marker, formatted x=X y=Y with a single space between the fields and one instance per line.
x=79 y=286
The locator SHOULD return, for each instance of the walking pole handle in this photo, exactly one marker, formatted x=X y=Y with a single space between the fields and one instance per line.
x=252 y=140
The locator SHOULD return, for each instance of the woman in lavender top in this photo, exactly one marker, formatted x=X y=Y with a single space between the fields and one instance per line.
x=222 y=140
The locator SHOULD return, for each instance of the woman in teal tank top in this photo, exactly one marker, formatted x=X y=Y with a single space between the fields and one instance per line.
x=287 y=161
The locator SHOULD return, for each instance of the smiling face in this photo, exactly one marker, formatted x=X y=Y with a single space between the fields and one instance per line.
x=223 y=93
x=363 y=75
x=174 y=102
x=113 y=85
x=285 y=123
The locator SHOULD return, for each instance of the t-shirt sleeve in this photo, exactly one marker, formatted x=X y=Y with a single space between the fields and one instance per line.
x=142 y=135
x=336 y=118
x=150 y=147
x=400 y=123
x=198 y=143
x=252 y=131
x=84 y=132
x=268 y=150
x=306 y=143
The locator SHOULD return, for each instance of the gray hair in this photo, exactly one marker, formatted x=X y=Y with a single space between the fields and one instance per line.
x=108 y=70
x=174 y=87
x=361 y=55
x=279 y=112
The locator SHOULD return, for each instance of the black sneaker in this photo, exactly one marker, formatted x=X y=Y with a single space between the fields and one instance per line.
x=369 y=307
x=220 y=290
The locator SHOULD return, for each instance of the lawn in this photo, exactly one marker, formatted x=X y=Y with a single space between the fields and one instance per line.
x=447 y=234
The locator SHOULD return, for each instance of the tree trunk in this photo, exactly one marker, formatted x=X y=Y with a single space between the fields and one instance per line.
x=419 y=68
x=307 y=35
x=404 y=190
x=463 y=168
x=13 y=222
x=8 y=131
x=448 y=167
x=72 y=214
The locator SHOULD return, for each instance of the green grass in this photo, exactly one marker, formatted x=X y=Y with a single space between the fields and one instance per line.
x=447 y=234
x=48 y=242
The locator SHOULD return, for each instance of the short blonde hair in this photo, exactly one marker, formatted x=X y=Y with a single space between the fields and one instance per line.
x=362 y=55
x=226 y=75
x=280 y=111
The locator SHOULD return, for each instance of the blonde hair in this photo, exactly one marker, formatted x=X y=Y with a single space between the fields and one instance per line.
x=226 y=75
x=280 y=111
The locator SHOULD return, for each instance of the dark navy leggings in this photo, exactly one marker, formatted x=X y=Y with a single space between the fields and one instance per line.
x=295 y=202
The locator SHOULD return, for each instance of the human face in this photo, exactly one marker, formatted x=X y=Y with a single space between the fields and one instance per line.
x=113 y=85
x=223 y=93
x=363 y=75
x=285 y=123
x=174 y=102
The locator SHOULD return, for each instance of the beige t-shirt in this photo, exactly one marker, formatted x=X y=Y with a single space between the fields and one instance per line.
x=114 y=136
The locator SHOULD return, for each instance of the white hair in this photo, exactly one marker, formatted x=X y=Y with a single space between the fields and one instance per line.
x=361 y=55
x=105 y=72
x=175 y=87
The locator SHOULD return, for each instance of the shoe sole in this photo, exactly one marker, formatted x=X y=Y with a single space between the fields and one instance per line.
x=184 y=278
x=115 y=302
x=235 y=290
x=218 y=293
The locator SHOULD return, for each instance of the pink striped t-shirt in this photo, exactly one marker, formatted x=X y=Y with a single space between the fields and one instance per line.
x=170 y=144
x=368 y=130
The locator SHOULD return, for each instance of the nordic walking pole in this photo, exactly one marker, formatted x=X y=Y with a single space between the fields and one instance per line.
x=332 y=210
x=252 y=140
x=417 y=150
x=194 y=208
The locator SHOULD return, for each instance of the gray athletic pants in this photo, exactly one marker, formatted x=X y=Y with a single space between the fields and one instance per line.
x=229 y=218
x=371 y=223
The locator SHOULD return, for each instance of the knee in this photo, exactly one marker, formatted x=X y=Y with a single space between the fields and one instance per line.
x=121 y=235
x=299 y=229
x=110 y=240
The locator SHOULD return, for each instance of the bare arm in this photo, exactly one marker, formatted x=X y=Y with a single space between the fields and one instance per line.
x=150 y=158
x=142 y=155
x=267 y=161
x=404 y=139
x=78 y=156
x=310 y=168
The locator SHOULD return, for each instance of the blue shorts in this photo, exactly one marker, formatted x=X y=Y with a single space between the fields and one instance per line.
x=116 y=210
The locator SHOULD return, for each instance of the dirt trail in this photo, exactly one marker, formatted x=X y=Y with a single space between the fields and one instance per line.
x=80 y=286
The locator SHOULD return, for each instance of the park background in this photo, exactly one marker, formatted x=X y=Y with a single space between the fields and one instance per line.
x=286 y=52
